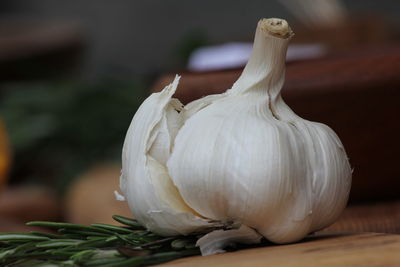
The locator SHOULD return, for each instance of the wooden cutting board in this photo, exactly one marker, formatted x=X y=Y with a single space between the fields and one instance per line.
x=366 y=249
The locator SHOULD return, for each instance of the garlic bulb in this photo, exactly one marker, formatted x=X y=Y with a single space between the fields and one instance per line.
x=242 y=156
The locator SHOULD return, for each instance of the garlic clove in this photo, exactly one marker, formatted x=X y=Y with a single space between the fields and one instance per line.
x=215 y=242
x=118 y=196
x=328 y=167
x=145 y=183
x=195 y=106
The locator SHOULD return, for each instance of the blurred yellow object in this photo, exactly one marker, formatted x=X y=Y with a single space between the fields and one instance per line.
x=4 y=155
x=91 y=198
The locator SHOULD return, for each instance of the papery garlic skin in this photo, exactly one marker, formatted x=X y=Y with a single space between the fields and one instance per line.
x=144 y=182
x=241 y=156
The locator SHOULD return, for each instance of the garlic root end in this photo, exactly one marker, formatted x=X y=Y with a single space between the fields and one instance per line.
x=276 y=27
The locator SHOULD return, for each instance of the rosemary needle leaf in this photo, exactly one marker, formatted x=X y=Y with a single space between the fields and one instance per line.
x=59 y=225
x=20 y=237
x=74 y=236
x=58 y=243
x=134 y=224
x=110 y=227
x=158 y=242
x=81 y=233
x=95 y=242
x=127 y=240
x=52 y=236
x=104 y=262
x=82 y=256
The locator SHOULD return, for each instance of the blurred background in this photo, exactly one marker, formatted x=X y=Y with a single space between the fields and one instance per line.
x=73 y=73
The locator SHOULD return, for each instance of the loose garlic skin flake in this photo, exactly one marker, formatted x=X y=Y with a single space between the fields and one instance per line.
x=242 y=156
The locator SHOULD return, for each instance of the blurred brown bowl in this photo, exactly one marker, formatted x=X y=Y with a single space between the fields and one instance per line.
x=91 y=198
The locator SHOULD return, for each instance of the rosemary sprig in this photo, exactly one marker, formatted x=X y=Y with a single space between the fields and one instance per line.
x=94 y=245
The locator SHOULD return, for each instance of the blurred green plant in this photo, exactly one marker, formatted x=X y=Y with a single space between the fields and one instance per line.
x=187 y=44
x=58 y=129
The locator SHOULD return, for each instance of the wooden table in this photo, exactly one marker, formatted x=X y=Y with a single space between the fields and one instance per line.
x=365 y=249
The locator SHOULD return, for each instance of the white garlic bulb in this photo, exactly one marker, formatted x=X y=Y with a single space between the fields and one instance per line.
x=242 y=156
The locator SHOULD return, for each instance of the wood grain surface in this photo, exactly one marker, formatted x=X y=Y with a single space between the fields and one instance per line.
x=367 y=249
x=381 y=217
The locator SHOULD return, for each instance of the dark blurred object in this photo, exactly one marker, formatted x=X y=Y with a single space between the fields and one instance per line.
x=353 y=31
x=95 y=188
x=188 y=43
x=58 y=129
x=356 y=93
x=317 y=13
x=13 y=225
x=381 y=217
x=27 y=203
x=37 y=50
x=308 y=43
x=333 y=24
x=4 y=156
